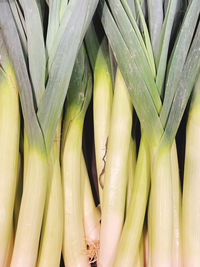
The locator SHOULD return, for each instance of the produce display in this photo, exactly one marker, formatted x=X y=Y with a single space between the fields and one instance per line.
x=100 y=133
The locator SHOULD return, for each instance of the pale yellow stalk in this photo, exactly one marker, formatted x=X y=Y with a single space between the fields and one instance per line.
x=191 y=194
x=91 y=215
x=31 y=210
x=146 y=248
x=114 y=193
x=18 y=192
x=9 y=144
x=128 y=247
x=10 y=249
x=26 y=154
x=74 y=243
x=176 y=187
x=148 y=236
x=52 y=229
x=102 y=107
x=172 y=255
x=140 y=257
x=131 y=171
x=161 y=208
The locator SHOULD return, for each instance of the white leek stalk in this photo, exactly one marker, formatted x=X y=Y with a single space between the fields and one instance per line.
x=116 y=173
x=18 y=192
x=31 y=210
x=91 y=215
x=52 y=230
x=177 y=260
x=9 y=143
x=191 y=196
x=10 y=249
x=102 y=107
x=79 y=96
x=161 y=210
x=128 y=247
x=146 y=248
x=74 y=244
x=166 y=248
x=131 y=170
x=140 y=257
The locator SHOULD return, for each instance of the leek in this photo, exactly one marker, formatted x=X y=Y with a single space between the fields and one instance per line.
x=9 y=142
x=115 y=172
x=102 y=111
x=52 y=231
x=160 y=139
x=190 y=217
x=91 y=215
x=79 y=95
x=41 y=108
x=177 y=250
x=137 y=206
x=149 y=64
x=102 y=100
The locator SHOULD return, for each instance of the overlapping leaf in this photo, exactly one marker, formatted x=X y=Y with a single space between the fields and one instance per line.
x=66 y=42
x=120 y=37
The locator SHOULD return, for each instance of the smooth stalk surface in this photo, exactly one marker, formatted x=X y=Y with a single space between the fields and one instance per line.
x=31 y=210
x=116 y=172
x=102 y=107
x=161 y=209
x=19 y=189
x=52 y=230
x=128 y=247
x=177 y=257
x=9 y=144
x=191 y=196
x=131 y=171
x=74 y=243
x=91 y=215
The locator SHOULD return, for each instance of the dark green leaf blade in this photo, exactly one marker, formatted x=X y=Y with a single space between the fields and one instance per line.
x=161 y=59
x=135 y=48
x=188 y=77
x=178 y=56
x=13 y=44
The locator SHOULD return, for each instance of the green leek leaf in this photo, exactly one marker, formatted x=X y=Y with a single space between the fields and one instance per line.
x=136 y=51
x=155 y=18
x=53 y=22
x=60 y=72
x=146 y=111
x=36 y=49
x=16 y=55
x=161 y=59
x=178 y=56
x=187 y=80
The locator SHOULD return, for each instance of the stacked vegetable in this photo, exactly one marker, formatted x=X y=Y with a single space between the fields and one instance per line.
x=93 y=114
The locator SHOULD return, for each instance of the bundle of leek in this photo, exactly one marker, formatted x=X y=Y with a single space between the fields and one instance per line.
x=157 y=67
x=41 y=108
x=159 y=121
